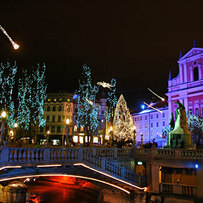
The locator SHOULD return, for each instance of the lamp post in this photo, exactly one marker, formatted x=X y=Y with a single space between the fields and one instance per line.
x=134 y=138
x=48 y=132
x=67 y=130
x=3 y=126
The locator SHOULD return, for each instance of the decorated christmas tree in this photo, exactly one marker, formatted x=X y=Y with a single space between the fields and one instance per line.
x=87 y=113
x=7 y=82
x=123 y=128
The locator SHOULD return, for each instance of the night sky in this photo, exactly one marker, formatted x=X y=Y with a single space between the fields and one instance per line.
x=137 y=42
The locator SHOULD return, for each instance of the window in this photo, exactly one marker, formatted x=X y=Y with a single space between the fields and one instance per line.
x=75 y=128
x=157 y=124
x=47 y=128
x=48 y=108
x=59 y=118
x=190 y=111
x=140 y=126
x=59 y=108
x=41 y=129
x=53 y=118
x=47 y=118
x=202 y=111
x=151 y=116
x=145 y=125
x=196 y=112
x=102 y=112
x=157 y=116
x=76 y=109
x=163 y=123
x=81 y=129
x=145 y=117
x=157 y=133
x=58 y=129
x=151 y=133
x=163 y=115
x=146 y=133
x=196 y=74
x=54 y=108
x=140 y=117
x=135 y=119
x=151 y=125
x=53 y=129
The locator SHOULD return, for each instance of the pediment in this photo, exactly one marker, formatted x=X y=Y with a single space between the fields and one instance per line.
x=192 y=52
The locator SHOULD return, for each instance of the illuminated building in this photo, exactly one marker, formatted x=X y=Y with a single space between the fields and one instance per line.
x=57 y=108
x=187 y=87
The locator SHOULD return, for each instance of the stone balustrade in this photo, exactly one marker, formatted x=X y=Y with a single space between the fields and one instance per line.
x=93 y=157
x=179 y=154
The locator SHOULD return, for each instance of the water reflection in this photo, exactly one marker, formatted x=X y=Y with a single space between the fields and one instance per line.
x=61 y=189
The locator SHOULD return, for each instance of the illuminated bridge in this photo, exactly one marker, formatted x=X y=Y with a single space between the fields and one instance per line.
x=93 y=164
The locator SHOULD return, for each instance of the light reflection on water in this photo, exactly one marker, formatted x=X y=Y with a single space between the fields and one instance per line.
x=61 y=190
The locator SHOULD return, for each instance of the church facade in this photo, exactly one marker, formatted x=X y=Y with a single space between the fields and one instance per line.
x=187 y=87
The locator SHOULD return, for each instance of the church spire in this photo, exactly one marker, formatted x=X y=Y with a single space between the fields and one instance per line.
x=194 y=43
x=180 y=55
x=169 y=75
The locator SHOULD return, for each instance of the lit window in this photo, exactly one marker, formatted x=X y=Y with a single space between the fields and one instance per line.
x=75 y=128
x=196 y=112
x=146 y=133
x=81 y=129
x=140 y=126
x=152 y=133
x=55 y=100
x=81 y=140
x=49 y=100
x=95 y=140
x=75 y=139
x=157 y=133
x=145 y=125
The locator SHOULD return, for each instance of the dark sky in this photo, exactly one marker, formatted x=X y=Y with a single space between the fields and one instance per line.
x=136 y=42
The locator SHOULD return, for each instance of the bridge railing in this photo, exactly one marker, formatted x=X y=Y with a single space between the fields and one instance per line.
x=179 y=154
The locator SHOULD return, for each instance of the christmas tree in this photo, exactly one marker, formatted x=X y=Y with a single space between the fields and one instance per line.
x=87 y=113
x=7 y=82
x=123 y=123
x=112 y=101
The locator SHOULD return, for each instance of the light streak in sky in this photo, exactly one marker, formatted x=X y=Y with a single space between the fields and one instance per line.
x=15 y=46
x=156 y=94
x=152 y=107
x=104 y=84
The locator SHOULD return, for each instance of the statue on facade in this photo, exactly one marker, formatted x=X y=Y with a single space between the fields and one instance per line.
x=172 y=123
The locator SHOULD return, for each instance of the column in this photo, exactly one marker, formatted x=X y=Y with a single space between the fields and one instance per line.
x=181 y=73
x=191 y=74
x=185 y=72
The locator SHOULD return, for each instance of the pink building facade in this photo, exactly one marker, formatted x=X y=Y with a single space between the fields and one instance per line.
x=187 y=87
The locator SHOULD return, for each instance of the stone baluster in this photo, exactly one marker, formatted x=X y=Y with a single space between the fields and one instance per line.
x=24 y=155
x=20 y=155
x=15 y=155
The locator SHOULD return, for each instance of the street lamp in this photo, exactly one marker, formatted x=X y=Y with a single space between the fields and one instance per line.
x=67 y=130
x=3 y=125
x=134 y=138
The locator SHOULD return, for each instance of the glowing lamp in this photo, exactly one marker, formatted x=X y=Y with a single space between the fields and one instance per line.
x=15 y=46
x=15 y=125
x=143 y=106
x=3 y=114
x=196 y=166
x=48 y=132
x=139 y=163
x=67 y=121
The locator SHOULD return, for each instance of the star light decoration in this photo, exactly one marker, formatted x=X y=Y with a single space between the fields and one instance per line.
x=104 y=84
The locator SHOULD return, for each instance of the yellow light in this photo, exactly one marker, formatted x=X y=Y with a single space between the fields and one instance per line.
x=48 y=132
x=67 y=121
x=111 y=128
x=15 y=125
x=106 y=137
x=50 y=165
x=10 y=167
x=75 y=138
x=11 y=132
x=3 y=114
x=134 y=127
x=81 y=139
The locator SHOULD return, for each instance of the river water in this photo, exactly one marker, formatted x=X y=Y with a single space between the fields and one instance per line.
x=60 y=190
